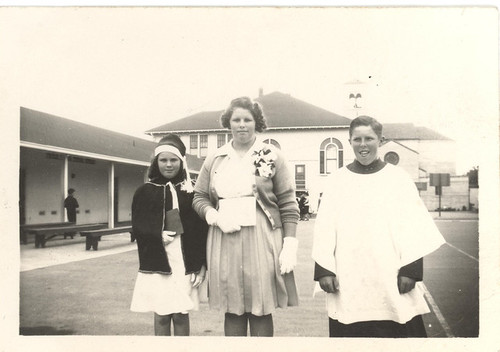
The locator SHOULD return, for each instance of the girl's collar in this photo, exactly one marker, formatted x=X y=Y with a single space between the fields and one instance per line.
x=250 y=149
x=163 y=181
x=228 y=149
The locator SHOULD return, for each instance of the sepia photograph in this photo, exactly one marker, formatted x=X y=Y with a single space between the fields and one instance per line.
x=275 y=176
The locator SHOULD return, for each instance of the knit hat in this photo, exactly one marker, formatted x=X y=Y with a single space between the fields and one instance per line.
x=171 y=140
x=173 y=144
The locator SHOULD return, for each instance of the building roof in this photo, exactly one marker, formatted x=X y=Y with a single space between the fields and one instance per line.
x=46 y=131
x=408 y=131
x=399 y=131
x=396 y=142
x=425 y=133
x=282 y=111
x=286 y=112
x=202 y=121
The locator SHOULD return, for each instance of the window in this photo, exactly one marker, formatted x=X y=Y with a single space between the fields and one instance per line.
x=223 y=138
x=78 y=159
x=203 y=145
x=198 y=145
x=193 y=144
x=300 y=177
x=331 y=156
x=273 y=142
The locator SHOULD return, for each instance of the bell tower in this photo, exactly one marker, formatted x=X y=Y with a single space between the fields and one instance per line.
x=354 y=94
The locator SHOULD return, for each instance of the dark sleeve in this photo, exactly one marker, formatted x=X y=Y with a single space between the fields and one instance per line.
x=203 y=231
x=194 y=239
x=319 y=272
x=413 y=270
x=147 y=213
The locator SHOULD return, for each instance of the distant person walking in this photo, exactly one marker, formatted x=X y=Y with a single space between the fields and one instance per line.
x=71 y=204
x=371 y=232
x=304 y=206
x=171 y=241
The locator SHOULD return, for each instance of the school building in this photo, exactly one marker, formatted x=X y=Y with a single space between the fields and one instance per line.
x=315 y=142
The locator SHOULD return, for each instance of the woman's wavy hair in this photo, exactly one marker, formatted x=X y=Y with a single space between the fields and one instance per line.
x=247 y=104
x=366 y=121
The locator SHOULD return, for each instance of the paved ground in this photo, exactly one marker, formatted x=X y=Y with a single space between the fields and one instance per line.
x=60 y=251
x=66 y=290
x=451 y=275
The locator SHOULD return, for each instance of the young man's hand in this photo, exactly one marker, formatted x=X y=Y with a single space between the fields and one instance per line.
x=329 y=284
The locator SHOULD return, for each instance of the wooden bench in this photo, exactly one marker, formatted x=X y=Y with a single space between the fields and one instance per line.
x=43 y=234
x=92 y=237
x=24 y=229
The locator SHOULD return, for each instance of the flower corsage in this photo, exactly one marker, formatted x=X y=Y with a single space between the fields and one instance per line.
x=264 y=162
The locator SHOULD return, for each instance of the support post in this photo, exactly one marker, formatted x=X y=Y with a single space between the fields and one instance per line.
x=111 y=195
x=65 y=186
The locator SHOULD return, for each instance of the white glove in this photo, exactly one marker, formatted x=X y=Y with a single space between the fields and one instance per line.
x=167 y=236
x=226 y=225
x=288 y=255
x=211 y=217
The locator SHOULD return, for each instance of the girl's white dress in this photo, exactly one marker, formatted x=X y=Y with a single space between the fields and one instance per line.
x=166 y=294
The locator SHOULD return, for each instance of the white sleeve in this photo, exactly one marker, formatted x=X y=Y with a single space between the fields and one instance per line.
x=324 y=240
x=414 y=230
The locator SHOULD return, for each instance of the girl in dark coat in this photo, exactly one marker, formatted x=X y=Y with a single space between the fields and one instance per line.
x=171 y=241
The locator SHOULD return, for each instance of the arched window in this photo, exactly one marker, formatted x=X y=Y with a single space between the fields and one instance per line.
x=331 y=156
x=273 y=142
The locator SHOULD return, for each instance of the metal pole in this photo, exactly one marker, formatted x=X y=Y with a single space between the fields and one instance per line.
x=440 y=202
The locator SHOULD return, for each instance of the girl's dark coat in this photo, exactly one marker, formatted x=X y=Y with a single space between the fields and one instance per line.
x=148 y=205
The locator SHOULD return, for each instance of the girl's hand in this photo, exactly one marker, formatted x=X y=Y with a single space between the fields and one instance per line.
x=198 y=278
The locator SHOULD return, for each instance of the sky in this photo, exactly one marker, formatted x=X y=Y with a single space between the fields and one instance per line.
x=133 y=69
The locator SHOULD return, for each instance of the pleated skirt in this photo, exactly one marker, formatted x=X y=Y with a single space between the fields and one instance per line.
x=166 y=294
x=243 y=270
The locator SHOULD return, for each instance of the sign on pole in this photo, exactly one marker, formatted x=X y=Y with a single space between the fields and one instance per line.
x=439 y=181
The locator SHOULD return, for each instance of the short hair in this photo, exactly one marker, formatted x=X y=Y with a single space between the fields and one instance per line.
x=366 y=121
x=71 y=191
x=247 y=104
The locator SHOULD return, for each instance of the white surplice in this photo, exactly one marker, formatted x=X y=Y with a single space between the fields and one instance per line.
x=368 y=227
